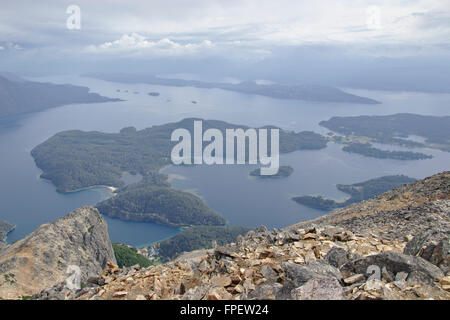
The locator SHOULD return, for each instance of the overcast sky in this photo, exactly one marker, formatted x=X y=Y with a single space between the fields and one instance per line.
x=237 y=30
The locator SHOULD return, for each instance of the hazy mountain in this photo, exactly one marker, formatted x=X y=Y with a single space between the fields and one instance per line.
x=306 y=92
x=19 y=96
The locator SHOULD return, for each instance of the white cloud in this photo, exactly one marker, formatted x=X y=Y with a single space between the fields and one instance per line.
x=136 y=43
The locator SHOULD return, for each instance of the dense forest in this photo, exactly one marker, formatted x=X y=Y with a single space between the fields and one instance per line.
x=198 y=237
x=152 y=200
x=160 y=205
x=367 y=150
x=128 y=256
x=358 y=192
x=77 y=159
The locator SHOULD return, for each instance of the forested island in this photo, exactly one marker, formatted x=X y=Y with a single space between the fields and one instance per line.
x=306 y=92
x=396 y=129
x=358 y=192
x=19 y=96
x=367 y=150
x=198 y=237
x=73 y=160
x=283 y=171
x=152 y=200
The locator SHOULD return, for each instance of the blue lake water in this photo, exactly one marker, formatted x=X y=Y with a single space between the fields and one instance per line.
x=28 y=201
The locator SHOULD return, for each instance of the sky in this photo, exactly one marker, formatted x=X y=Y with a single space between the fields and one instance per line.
x=238 y=36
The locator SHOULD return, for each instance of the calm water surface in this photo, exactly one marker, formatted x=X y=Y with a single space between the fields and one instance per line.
x=28 y=201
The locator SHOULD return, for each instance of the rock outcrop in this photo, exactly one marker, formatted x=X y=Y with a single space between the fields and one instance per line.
x=43 y=258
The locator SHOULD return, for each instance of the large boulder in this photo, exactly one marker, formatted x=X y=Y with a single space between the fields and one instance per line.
x=433 y=246
x=393 y=263
x=298 y=275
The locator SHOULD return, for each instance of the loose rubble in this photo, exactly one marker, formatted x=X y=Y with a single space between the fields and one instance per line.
x=366 y=253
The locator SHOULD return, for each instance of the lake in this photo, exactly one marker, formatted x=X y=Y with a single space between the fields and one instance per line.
x=28 y=201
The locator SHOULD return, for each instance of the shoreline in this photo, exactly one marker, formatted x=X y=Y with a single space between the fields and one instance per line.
x=111 y=189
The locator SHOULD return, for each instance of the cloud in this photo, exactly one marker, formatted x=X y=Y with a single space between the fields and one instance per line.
x=136 y=43
x=244 y=29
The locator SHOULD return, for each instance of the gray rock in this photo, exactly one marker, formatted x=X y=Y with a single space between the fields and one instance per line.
x=197 y=293
x=267 y=291
x=322 y=288
x=337 y=257
x=299 y=275
x=268 y=273
x=394 y=263
x=432 y=245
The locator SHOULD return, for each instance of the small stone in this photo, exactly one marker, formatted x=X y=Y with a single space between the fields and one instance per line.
x=386 y=275
x=321 y=288
x=298 y=244
x=238 y=289
x=248 y=285
x=309 y=236
x=445 y=281
x=373 y=285
x=354 y=279
x=401 y=276
x=299 y=260
x=120 y=294
x=221 y=281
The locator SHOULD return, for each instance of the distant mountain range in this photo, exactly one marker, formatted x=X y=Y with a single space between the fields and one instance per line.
x=18 y=96
x=306 y=92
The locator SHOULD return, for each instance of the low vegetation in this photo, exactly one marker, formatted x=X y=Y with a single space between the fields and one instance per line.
x=128 y=256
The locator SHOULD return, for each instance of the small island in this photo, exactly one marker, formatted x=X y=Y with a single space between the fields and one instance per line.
x=367 y=150
x=358 y=192
x=153 y=94
x=308 y=92
x=283 y=171
x=152 y=200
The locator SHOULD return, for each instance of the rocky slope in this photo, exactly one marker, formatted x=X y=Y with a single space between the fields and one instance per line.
x=395 y=246
x=41 y=259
